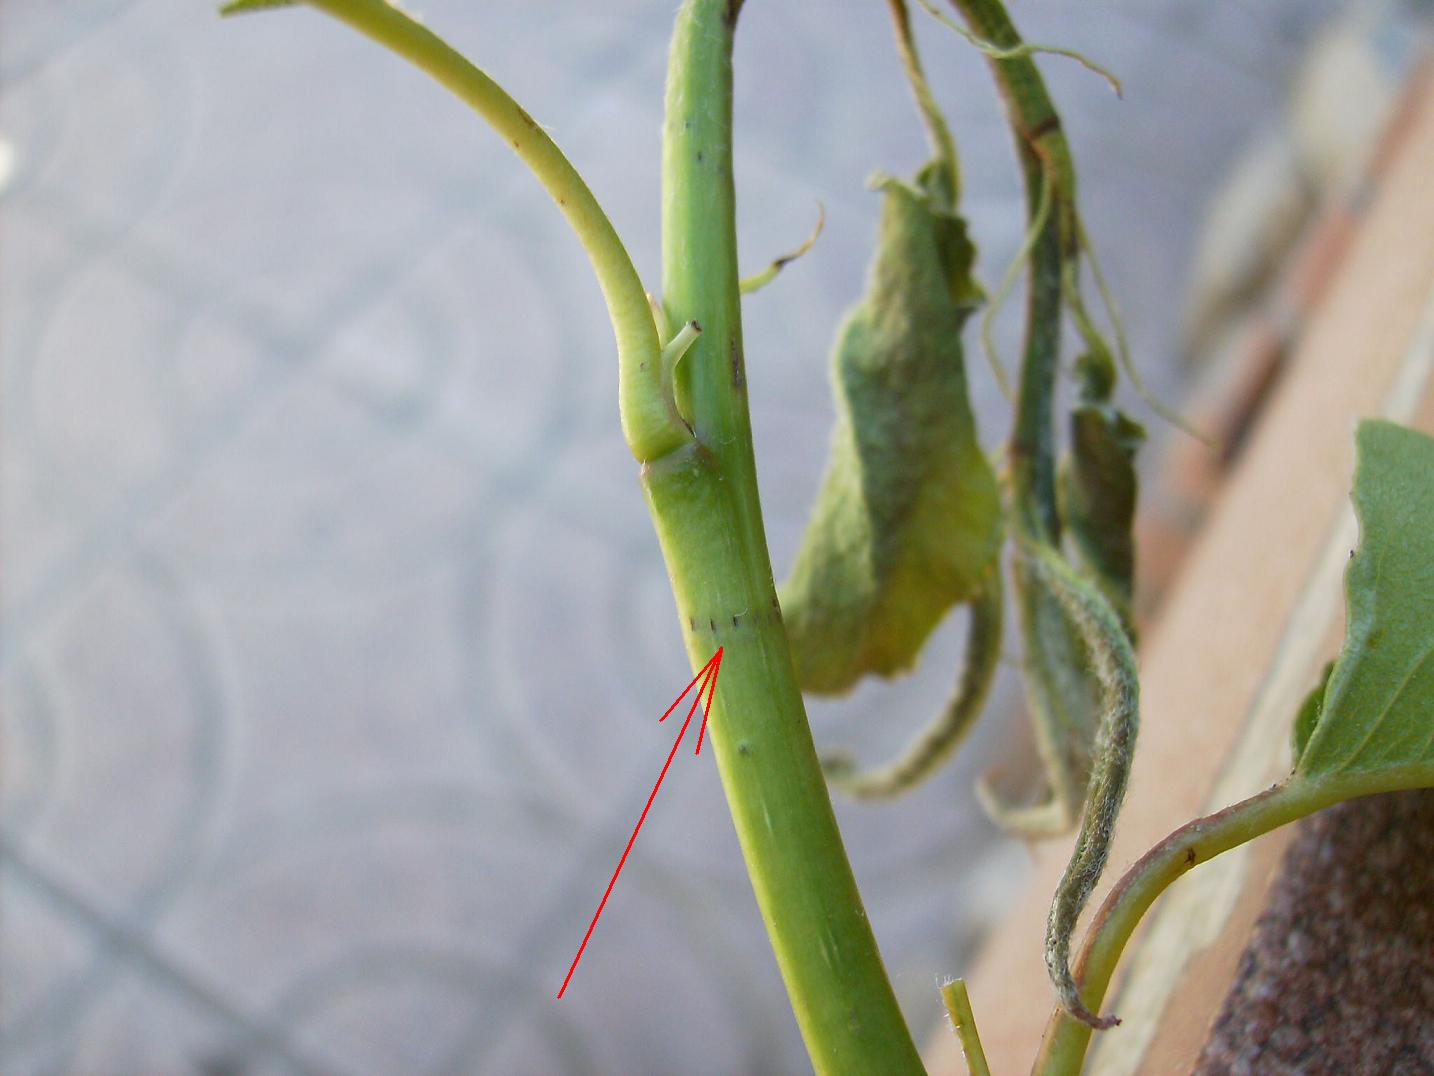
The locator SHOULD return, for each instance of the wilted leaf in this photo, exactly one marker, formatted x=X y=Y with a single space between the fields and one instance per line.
x=908 y=519
x=1098 y=486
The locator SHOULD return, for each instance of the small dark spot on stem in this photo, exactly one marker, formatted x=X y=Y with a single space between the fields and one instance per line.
x=699 y=157
x=734 y=620
x=713 y=625
x=739 y=376
x=692 y=623
x=744 y=748
x=1045 y=127
x=1190 y=857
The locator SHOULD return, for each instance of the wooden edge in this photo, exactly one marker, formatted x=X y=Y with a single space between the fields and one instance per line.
x=1206 y=666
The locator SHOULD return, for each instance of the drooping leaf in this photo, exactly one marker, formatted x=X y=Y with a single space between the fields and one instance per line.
x=908 y=520
x=935 y=743
x=1098 y=486
x=1377 y=711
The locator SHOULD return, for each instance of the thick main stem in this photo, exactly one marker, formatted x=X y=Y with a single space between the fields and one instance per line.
x=704 y=503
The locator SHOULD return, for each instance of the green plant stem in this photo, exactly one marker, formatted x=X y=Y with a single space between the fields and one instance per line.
x=963 y=1021
x=703 y=498
x=938 y=134
x=1066 y=1039
x=1044 y=159
x=1051 y=599
x=995 y=52
x=1057 y=694
x=649 y=419
x=700 y=279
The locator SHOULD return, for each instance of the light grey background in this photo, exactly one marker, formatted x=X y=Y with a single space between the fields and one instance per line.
x=333 y=625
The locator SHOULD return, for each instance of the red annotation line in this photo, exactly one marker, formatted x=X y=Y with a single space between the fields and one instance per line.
x=708 y=676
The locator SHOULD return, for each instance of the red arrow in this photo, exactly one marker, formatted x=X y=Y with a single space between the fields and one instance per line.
x=708 y=676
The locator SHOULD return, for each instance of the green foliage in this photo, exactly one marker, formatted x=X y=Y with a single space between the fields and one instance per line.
x=909 y=523
x=1309 y=713
x=1368 y=727
x=908 y=520
x=1377 y=708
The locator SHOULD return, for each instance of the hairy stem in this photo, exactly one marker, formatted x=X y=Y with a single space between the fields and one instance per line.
x=1068 y=626
x=1066 y=1039
x=943 y=146
x=1114 y=661
x=704 y=504
x=1059 y=703
x=1045 y=159
x=963 y=1021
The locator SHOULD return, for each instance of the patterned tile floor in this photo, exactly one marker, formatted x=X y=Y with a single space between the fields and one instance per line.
x=333 y=626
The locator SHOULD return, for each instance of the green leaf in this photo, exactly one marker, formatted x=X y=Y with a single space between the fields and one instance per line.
x=1309 y=712
x=908 y=520
x=1368 y=727
x=1377 y=710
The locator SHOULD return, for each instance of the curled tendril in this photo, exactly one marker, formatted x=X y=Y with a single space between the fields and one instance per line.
x=763 y=277
x=935 y=743
x=993 y=51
